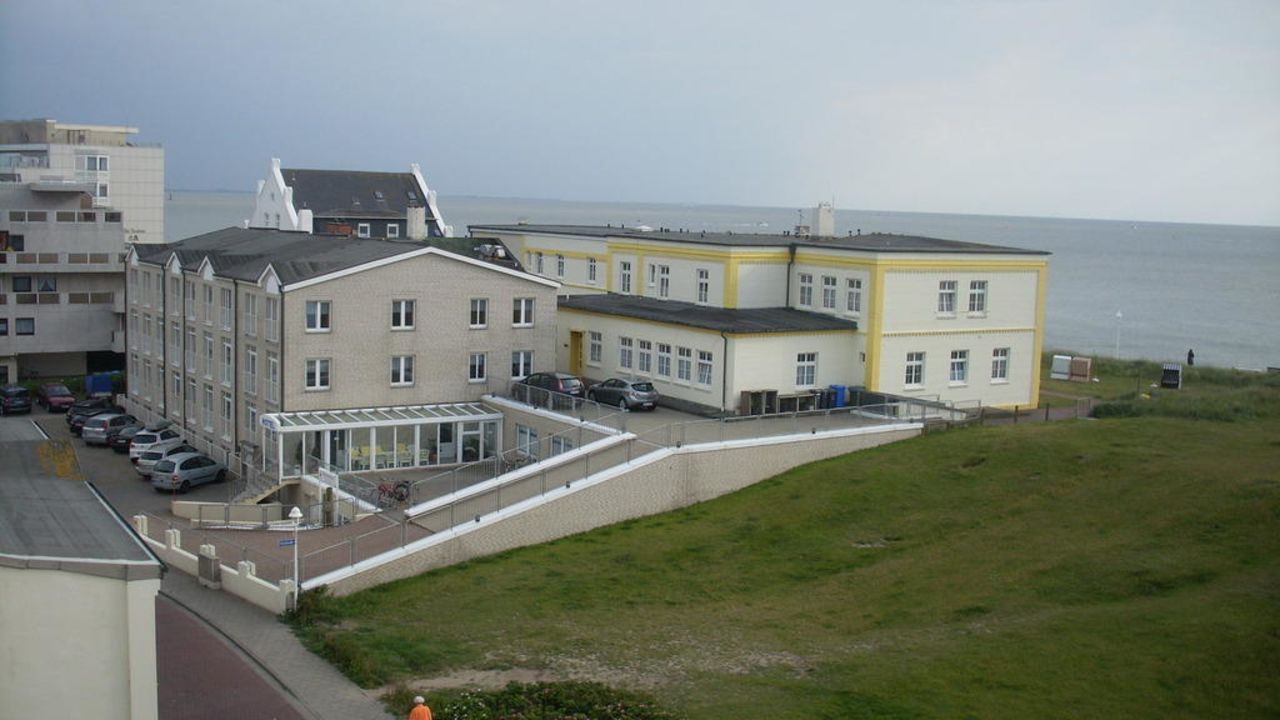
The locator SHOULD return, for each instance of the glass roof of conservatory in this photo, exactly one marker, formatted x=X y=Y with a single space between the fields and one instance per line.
x=378 y=417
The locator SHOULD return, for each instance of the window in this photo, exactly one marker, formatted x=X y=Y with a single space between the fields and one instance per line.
x=522 y=312
x=191 y=402
x=273 y=377
x=208 y=355
x=947 y=296
x=251 y=315
x=251 y=420
x=317 y=316
x=189 y=301
x=17 y=243
x=22 y=283
x=175 y=343
x=591 y=270
x=664 y=281
x=559 y=266
x=228 y=362
x=704 y=367
x=479 y=312
x=191 y=350
x=362 y=230
x=208 y=304
x=828 y=292
x=684 y=364
x=174 y=405
x=646 y=357
x=317 y=375
x=595 y=347
x=402 y=370
x=527 y=441
x=226 y=309
x=208 y=408
x=175 y=297
x=393 y=230
x=251 y=371
x=915 y=369
x=653 y=274
x=102 y=191
x=273 y=319
x=704 y=285
x=49 y=283
x=853 y=303
x=625 y=348
x=959 y=366
x=664 y=360
x=521 y=363
x=402 y=314
x=560 y=444
x=806 y=290
x=624 y=276
x=476 y=371
x=1000 y=365
x=226 y=415
x=4 y=326
x=537 y=259
x=806 y=369
x=978 y=296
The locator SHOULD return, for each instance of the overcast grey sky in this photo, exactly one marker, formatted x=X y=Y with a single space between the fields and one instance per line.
x=1159 y=110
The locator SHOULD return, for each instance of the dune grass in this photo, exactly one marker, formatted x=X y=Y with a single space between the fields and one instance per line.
x=1114 y=568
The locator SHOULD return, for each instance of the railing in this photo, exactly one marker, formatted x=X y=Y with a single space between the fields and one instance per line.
x=271 y=568
x=581 y=408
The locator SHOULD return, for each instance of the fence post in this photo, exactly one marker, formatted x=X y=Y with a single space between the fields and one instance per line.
x=1046 y=413
x=1015 y=414
x=352 y=545
x=404 y=531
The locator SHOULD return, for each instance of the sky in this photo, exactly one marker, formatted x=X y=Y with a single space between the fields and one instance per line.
x=1162 y=110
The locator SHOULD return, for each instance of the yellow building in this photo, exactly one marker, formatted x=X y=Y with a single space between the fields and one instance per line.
x=934 y=319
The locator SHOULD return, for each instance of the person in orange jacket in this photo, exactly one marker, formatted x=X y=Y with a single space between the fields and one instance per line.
x=420 y=710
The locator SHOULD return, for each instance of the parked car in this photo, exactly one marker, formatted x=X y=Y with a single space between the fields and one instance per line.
x=557 y=382
x=153 y=437
x=147 y=460
x=83 y=406
x=100 y=427
x=55 y=397
x=120 y=441
x=14 y=399
x=77 y=423
x=183 y=471
x=626 y=394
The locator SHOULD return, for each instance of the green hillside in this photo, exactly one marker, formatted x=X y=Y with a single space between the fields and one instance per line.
x=1093 y=568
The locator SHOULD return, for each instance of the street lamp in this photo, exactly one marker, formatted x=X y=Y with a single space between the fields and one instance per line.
x=296 y=516
x=1119 y=317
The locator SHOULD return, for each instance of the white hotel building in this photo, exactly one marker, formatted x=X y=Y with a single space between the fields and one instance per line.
x=713 y=317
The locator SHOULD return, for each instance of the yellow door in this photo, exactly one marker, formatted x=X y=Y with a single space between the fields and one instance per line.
x=575 y=352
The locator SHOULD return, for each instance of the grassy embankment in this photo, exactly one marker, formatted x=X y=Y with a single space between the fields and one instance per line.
x=1113 y=568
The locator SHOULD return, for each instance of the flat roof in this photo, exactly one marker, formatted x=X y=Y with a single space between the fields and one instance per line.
x=729 y=320
x=871 y=242
x=51 y=519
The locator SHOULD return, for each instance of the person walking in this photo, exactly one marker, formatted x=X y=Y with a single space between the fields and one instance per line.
x=1191 y=357
x=420 y=710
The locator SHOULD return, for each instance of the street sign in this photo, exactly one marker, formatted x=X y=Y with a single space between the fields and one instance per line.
x=287 y=542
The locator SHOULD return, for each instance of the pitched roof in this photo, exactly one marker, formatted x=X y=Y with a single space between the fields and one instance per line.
x=353 y=193
x=728 y=320
x=872 y=242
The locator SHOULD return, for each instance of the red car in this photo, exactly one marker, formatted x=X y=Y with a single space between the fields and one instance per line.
x=55 y=397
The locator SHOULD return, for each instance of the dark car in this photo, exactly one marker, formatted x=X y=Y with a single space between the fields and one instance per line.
x=556 y=382
x=55 y=397
x=120 y=441
x=14 y=399
x=81 y=406
x=80 y=418
x=626 y=394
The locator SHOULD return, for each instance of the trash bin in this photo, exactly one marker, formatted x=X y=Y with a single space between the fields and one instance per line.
x=839 y=391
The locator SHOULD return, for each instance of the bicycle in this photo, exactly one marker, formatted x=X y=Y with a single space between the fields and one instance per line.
x=395 y=493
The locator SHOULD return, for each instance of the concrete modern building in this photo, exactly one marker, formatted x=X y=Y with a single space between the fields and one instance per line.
x=242 y=333
x=348 y=202
x=61 y=282
x=712 y=318
x=77 y=593
x=122 y=176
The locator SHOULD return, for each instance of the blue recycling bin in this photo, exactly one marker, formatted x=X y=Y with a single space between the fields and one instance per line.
x=839 y=391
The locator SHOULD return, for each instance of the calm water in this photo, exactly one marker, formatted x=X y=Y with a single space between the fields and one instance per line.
x=1214 y=288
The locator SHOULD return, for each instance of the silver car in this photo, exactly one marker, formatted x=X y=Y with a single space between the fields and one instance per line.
x=626 y=394
x=148 y=459
x=152 y=438
x=183 y=471
x=99 y=428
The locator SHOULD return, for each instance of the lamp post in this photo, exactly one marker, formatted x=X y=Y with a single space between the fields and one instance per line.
x=1119 y=317
x=296 y=516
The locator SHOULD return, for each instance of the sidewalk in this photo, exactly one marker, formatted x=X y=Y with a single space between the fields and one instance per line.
x=317 y=688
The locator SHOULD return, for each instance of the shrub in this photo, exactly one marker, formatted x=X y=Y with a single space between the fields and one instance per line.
x=573 y=700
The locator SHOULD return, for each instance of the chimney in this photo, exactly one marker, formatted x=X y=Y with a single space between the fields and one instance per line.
x=416 y=222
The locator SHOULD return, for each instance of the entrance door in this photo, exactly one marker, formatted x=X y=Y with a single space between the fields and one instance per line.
x=337 y=448
x=575 y=352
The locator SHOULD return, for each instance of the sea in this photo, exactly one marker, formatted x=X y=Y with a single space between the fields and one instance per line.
x=1127 y=289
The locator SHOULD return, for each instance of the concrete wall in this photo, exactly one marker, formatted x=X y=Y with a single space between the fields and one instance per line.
x=660 y=482
x=68 y=636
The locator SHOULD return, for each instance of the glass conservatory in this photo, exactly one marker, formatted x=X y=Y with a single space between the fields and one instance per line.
x=386 y=438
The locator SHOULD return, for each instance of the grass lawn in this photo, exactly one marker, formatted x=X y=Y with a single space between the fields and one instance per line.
x=1093 y=568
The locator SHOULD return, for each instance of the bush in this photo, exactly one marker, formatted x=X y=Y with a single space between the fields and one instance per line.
x=573 y=700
